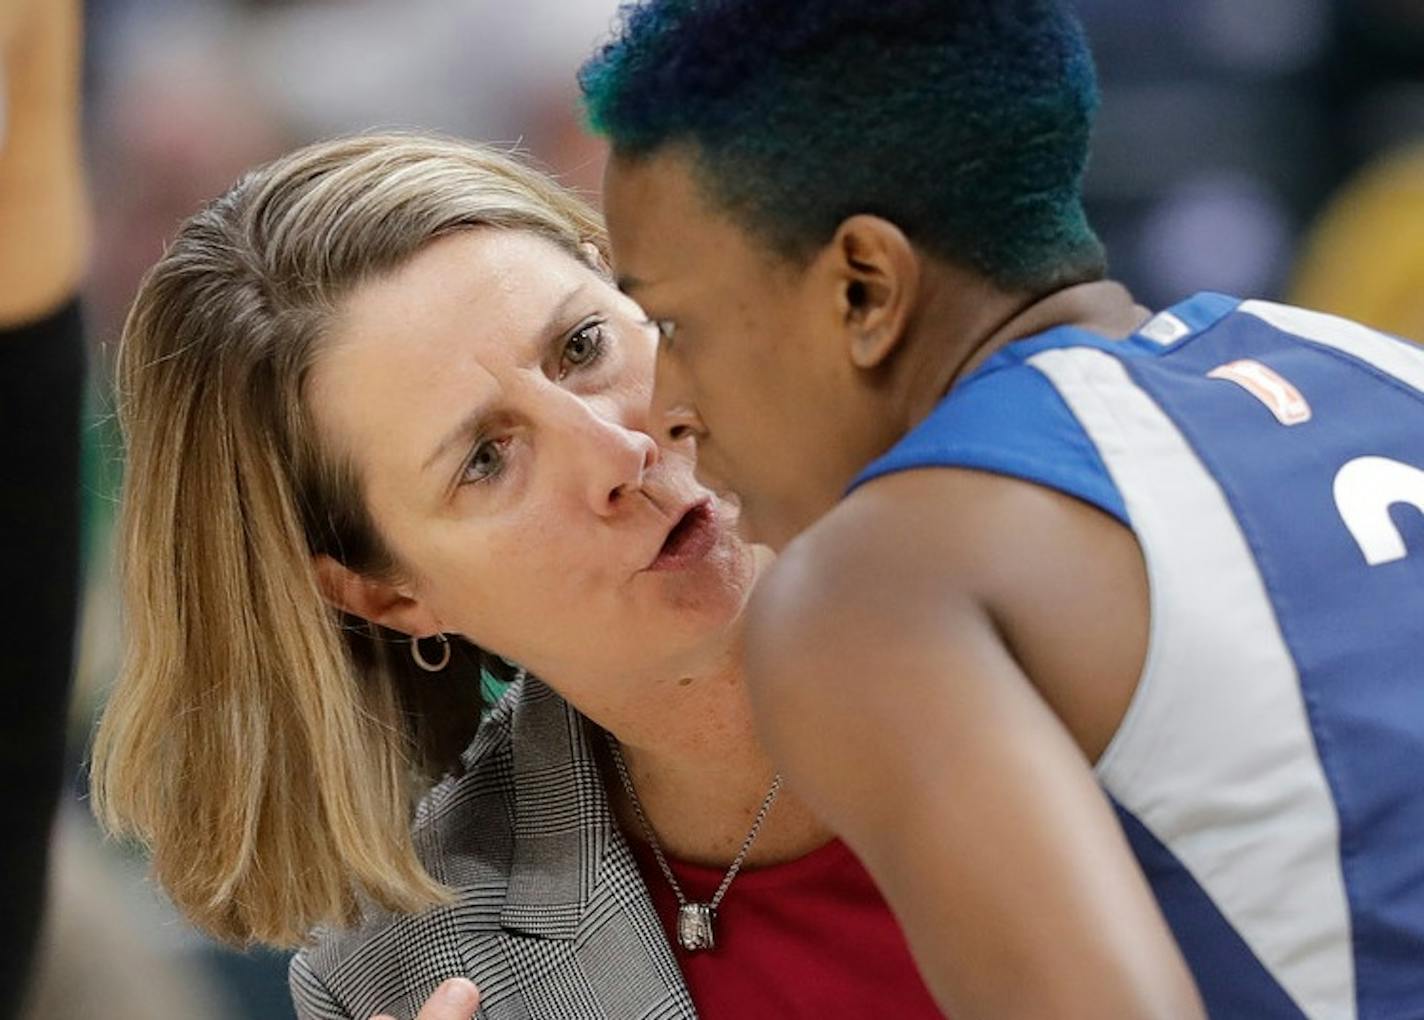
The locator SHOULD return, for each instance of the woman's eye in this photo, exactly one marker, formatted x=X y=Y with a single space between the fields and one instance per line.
x=485 y=463
x=584 y=347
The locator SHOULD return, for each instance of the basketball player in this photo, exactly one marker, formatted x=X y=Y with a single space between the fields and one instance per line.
x=1074 y=583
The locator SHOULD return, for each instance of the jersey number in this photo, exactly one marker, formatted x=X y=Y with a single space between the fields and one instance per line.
x=1365 y=490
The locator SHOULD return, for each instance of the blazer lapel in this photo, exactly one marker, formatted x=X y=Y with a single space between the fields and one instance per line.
x=580 y=935
x=562 y=822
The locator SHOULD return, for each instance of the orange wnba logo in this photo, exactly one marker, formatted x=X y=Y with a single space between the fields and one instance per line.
x=1269 y=387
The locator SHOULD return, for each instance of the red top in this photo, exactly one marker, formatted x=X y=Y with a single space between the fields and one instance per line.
x=810 y=939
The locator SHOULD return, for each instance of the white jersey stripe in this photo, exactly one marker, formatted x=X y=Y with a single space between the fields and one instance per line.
x=1404 y=361
x=1216 y=748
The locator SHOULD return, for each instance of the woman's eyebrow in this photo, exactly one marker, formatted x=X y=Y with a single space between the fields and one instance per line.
x=467 y=428
x=557 y=322
x=470 y=424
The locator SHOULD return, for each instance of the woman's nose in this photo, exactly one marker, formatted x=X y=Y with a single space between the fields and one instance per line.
x=619 y=459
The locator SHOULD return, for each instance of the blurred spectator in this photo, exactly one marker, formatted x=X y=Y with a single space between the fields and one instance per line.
x=187 y=96
x=1374 y=80
x=1365 y=257
x=1212 y=140
x=1225 y=126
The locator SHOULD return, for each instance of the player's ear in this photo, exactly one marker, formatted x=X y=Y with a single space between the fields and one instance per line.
x=877 y=275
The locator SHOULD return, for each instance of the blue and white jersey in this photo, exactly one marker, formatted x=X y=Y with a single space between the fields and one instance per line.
x=1269 y=772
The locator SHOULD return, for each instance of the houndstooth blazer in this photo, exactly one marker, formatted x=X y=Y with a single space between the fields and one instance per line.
x=551 y=917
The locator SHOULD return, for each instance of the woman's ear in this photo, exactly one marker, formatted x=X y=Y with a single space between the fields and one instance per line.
x=380 y=602
x=878 y=274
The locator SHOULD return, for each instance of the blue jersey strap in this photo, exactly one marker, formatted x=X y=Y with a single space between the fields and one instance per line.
x=1011 y=421
x=1007 y=418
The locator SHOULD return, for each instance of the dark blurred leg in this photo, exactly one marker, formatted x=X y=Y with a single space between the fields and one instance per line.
x=41 y=388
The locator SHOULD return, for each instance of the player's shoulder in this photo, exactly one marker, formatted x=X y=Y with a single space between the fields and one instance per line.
x=926 y=539
x=942 y=560
x=844 y=599
x=952 y=522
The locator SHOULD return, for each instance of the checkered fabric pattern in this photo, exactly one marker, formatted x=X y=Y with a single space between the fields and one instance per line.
x=551 y=917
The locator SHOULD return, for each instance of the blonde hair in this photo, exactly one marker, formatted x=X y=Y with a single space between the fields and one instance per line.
x=261 y=745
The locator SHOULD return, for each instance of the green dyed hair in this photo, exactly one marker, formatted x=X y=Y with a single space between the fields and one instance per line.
x=964 y=122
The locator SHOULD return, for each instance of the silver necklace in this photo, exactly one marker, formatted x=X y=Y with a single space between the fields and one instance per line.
x=694 y=920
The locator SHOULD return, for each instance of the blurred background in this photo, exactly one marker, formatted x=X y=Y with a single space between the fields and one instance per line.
x=1270 y=148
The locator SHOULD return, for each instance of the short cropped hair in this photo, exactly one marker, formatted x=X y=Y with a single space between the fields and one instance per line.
x=964 y=122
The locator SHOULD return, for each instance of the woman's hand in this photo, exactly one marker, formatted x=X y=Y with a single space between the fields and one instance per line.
x=456 y=999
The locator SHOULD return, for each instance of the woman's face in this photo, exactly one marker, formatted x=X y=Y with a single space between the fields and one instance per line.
x=493 y=395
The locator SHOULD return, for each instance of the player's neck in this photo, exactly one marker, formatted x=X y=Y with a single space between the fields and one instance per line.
x=956 y=339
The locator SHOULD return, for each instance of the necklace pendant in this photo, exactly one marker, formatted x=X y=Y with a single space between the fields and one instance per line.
x=694 y=926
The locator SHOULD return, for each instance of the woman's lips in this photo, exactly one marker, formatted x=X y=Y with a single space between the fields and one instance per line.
x=690 y=539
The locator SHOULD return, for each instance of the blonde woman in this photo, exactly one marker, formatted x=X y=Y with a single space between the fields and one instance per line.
x=387 y=427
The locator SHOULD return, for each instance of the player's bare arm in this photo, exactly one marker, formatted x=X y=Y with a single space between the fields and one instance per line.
x=971 y=662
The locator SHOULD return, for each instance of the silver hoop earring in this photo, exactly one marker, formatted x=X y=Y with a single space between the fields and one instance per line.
x=420 y=660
